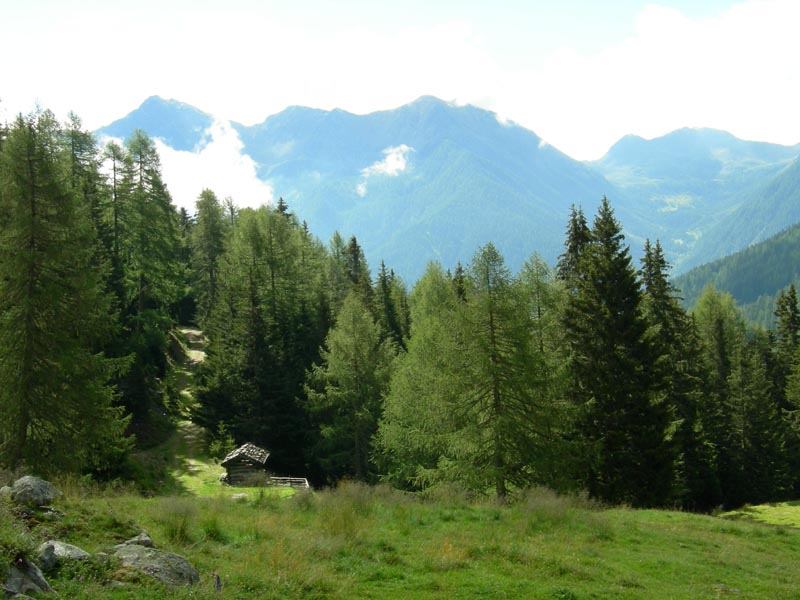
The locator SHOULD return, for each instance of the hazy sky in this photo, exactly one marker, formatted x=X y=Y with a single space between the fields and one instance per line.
x=579 y=73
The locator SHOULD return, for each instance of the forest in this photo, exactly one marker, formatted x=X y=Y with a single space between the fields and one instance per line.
x=584 y=376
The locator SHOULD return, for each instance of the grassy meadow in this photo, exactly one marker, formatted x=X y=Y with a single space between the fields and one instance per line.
x=374 y=542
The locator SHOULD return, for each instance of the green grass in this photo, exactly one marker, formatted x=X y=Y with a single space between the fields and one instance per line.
x=374 y=542
x=777 y=513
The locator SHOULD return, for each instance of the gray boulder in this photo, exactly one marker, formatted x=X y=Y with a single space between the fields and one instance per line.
x=5 y=491
x=171 y=569
x=32 y=491
x=24 y=577
x=53 y=553
x=143 y=539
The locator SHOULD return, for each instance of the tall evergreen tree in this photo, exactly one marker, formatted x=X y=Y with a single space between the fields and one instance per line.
x=418 y=426
x=207 y=243
x=345 y=392
x=265 y=328
x=578 y=237
x=786 y=338
x=391 y=306
x=678 y=381
x=56 y=404
x=611 y=362
x=472 y=399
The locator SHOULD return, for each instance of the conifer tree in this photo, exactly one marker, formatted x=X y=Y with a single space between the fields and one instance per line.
x=678 y=381
x=472 y=401
x=391 y=306
x=56 y=404
x=207 y=243
x=418 y=425
x=786 y=338
x=755 y=443
x=345 y=392
x=611 y=362
x=578 y=237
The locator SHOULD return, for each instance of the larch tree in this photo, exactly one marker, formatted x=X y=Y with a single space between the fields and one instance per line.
x=56 y=404
x=418 y=425
x=207 y=244
x=345 y=391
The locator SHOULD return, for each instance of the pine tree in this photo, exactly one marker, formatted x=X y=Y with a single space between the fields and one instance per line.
x=786 y=336
x=755 y=437
x=611 y=362
x=56 y=405
x=265 y=328
x=578 y=237
x=678 y=381
x=391 y=306
x=472 y=400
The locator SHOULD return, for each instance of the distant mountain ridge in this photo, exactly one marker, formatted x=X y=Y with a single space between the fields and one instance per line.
x=693 y=182
x=432 y=180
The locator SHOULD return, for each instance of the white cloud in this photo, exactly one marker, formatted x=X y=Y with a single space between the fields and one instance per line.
x=394 y=162
x=734 y=71
x=620 y=68
x=217 y=164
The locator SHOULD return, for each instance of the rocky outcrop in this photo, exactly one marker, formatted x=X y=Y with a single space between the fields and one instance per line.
x=32 y=491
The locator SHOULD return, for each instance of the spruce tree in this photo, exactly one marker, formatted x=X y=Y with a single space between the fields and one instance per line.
x=678 y=381
x=611 y=363
x=578 y=237
x=473 y=400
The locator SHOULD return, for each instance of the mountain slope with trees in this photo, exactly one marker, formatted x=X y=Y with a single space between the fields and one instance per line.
x=445 y=179
x=753 y=276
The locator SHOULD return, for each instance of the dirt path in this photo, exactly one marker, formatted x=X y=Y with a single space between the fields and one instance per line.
x=197 y=346
x=190 y=436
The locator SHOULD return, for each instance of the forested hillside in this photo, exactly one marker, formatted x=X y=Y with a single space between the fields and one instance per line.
x=754 y=276
x=588 y=375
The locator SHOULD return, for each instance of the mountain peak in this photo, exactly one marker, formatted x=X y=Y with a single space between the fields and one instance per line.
x=180 y=125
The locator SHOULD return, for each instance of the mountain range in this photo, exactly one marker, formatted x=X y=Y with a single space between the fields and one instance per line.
x=432 y=180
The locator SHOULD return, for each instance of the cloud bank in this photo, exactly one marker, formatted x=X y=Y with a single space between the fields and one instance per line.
x=217 y=164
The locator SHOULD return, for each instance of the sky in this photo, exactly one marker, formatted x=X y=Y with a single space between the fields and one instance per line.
x=579 y=73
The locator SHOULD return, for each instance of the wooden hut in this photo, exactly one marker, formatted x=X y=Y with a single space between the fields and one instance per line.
x=245 y=464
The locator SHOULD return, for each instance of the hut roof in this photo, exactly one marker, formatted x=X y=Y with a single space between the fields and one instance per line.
x=247 y=451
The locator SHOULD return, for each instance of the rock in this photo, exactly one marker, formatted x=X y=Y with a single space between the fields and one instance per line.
x=166 y=567
x=24 y=577
x=53 y=553
x=241 y=497
x=47 y=557
x=5 y=492
x=143 y=539
x=32 y=491
x=7 y=593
